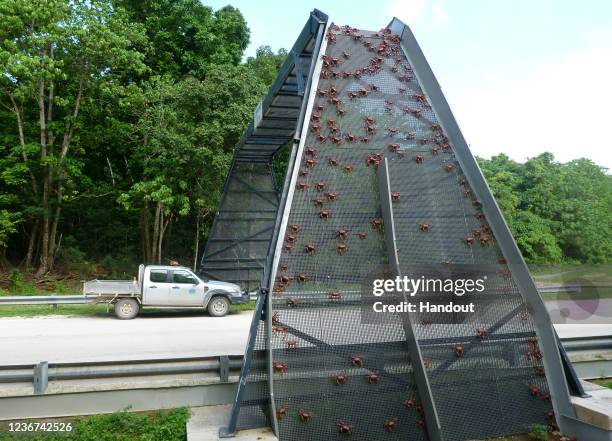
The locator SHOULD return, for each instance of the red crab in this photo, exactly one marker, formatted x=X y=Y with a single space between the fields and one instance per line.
x=535 y=390
x=341 y=233
x=393 y=130
x=311 y=151
x=346 y=55
x=291 y=344
x=482 y=332
x=292 y=301
x=357 y=361
x=390 y=424
x=318 y=202
x=334 y=294
x=337 y=140
x=449 y=168
x=419 y=159
x=394 y=147
x=320 y=186
x=321 y=138
x=341 y=248
x=301 y=185
x=376 y=223
x=364 y=139
x=348 y=168
x=344 y=428
x=287 y=247
x=304 y=416
x=290 y=238
x=324 y=214
x=310 y=163
x=395 y=196
x=373 y=377
x=333 y=162
x=331 y=196
x=340 y=379
x=280 y=367
x=283 y=267
x=409 y=404
x=420 y=424
x=374 y=160
x=435 y=151
x=310 y=248
x=350 y=137
x=340 y=112
x=362 y=235
x=304 y=173
x=369 y=120
x=459 y=350
x=424 y=227
x=302 y=278
x=370 y=129
x=281 y=412
x=426 y=363
x=469 y=240
x=485 y=239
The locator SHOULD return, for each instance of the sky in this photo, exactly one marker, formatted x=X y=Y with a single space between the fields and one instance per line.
x=522 y=77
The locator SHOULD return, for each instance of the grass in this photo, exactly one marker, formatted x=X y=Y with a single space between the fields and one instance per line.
x=606 y=382
x=163 y=425
x=100 y=311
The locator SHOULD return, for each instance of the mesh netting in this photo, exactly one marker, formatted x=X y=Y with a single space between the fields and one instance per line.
x=335 y=375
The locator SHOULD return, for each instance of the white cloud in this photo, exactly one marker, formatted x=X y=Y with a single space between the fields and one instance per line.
x=562 y=106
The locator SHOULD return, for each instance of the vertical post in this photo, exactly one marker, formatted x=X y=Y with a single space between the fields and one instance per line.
x=289 y=188
x=230 y=430
x=224 y=368
x=422 y=382
x=41 y=377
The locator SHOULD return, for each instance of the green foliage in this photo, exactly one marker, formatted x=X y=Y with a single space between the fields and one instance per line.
x=558 y=213
x=166 y=425
x=538 y=432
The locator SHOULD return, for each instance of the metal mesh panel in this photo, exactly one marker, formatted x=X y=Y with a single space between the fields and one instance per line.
x=331 y=372
x=240 y=236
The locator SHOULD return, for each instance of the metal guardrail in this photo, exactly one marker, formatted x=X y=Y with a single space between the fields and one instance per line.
x=43 y=372
x=47 y=300
x=582 y=350
x=87 y=299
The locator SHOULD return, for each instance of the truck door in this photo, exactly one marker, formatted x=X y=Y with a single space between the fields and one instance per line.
x=156 y=288
x=184 y=288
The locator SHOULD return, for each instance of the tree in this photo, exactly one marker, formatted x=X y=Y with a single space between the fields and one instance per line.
x=183 y=140
x=187 y=37
x=53 y=54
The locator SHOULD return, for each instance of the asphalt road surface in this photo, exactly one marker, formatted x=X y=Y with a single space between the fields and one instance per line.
x=67 y=339
x=189 y=334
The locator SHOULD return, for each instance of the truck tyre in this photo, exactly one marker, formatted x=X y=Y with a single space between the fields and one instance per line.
x=126 y=309
x=218 y=306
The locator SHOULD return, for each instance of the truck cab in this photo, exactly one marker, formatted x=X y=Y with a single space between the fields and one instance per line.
x=178 y=287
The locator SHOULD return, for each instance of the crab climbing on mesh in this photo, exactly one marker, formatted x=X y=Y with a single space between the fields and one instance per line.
x=376 y=223
x=281 y=412
x=302 y=278
x=302 y=185
x=280 y=367
x=481 y=332
x=304 y=415
x=340 y=379
x=395 y=196
x=424 y=226
x=310 y=248
x=390 y=424
x=362 y=235
x=373 y=377
x=419 y=159
x=324 y=214
x=348 y=168
x=459 y=350
x=320 y=186
x=292 y=301
x=331 y=196
x=341 y=248
x=342 y=233
x=344 y=428
x=334 y=294
x=357 y=361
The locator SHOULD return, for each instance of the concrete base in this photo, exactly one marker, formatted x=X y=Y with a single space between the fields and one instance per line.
x=596 y=409
x=206 y=421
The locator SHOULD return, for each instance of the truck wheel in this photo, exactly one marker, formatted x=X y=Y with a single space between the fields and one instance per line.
x=218 y=306
x=126 y=309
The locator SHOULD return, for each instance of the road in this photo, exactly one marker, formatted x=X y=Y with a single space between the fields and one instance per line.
x=163 y=335
x=69 y=339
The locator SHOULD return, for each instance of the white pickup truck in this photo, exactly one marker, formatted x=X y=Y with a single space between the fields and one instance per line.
x=163 y=286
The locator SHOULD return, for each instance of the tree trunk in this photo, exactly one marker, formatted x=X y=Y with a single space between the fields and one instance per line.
x=31 y=243
x=197 y=243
